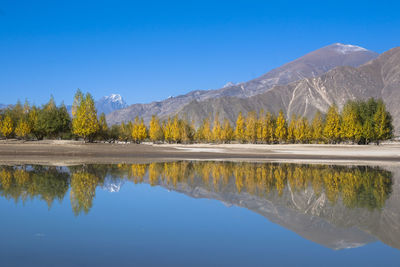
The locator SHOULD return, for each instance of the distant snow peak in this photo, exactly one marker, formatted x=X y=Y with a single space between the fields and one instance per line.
x=115 y=98
x=229 y=84
x=348 y=48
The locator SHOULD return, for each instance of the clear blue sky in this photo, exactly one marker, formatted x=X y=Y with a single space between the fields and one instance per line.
x=149 y=50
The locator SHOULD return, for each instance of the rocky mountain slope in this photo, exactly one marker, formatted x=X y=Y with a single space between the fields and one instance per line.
x=379 y=78
x=310 y=65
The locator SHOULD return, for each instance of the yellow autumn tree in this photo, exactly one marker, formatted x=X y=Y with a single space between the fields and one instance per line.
x=317 y=128
x=139 y=130
x=22 y=130
x=351 y=127
x=240 y=129
x=85 y=123
x=251 y=127
x=167 y=129
x=176 y=130
x=227 y=133
x=216 y=131
x=281 y=127
x=7 y=126
x=204 y=132
x=291 y=137
x=269 y=131
x=261 y=127
x=332 y=131
x=155 y=130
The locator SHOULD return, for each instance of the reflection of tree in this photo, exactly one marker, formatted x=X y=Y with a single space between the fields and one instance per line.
x=45 y=183
x=363 y=187
x=83 y=191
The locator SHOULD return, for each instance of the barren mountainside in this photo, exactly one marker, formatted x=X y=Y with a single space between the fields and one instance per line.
x=379 y=78
x=311 y=65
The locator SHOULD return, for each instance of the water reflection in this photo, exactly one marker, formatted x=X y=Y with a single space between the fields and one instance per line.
x=337 y=206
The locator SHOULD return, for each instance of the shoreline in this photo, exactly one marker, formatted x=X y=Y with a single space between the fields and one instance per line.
x=76 y=152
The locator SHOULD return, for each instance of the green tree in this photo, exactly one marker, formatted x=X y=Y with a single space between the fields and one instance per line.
x=103 y=133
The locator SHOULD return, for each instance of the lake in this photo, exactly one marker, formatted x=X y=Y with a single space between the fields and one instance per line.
x=197 y=213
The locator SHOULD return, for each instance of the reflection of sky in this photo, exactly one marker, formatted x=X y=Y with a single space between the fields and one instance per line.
x=144 y=225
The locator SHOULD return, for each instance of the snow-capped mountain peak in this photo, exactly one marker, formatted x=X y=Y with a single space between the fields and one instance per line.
x=108 y=104
x=115 y=98
x=348 y=48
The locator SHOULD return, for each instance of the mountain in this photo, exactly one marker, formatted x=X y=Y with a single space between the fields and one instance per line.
x=379 y=78
x=311 y=65
x=108 y=104
x=2 y=106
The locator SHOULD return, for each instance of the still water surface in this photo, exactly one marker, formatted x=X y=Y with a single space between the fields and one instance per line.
x=199 y=213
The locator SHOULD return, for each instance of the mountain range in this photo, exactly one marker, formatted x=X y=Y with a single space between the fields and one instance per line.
x=232 y=98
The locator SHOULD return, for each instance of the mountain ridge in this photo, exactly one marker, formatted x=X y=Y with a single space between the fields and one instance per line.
x=378 y=78
x=310 y=65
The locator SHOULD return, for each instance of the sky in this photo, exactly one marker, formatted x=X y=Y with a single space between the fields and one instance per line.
x=150 y=50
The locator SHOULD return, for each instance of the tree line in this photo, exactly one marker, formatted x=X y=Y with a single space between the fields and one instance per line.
x=359 y=122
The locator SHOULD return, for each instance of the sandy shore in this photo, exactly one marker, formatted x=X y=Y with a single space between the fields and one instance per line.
x=75 y=152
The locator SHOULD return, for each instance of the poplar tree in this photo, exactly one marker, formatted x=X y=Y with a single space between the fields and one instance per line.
x=281 y=128
x=251 y=127
x=204 y=132
x=85 y=123
x=155 y=130
x=317 y=128
x=291 y=136
x=261 y=127
x=227 y=133
x=351 y=127
x=332 y=126
x=167 y=128
x=382 y=123
x=216 y=131
x=103 y=128
x=7 y=126
x=302 y=131
x=270 y=128
x=240 y=129
x=22 y=130
x=176 y=130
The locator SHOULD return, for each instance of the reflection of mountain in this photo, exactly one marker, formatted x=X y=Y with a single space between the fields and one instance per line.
x=338 y=207
x=314 y=217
